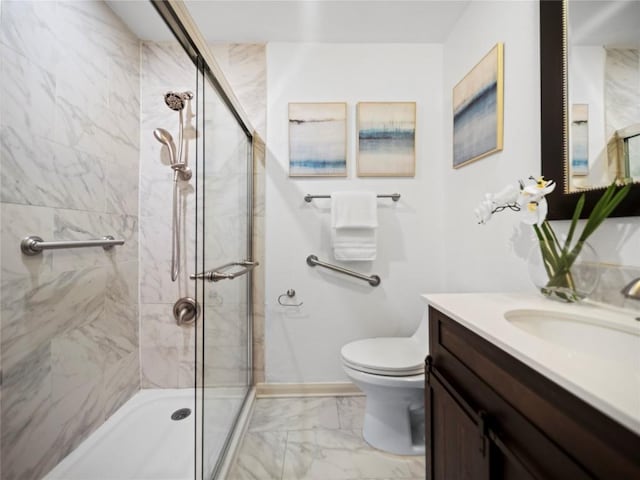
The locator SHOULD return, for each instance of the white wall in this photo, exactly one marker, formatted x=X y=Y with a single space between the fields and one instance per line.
x=303 y=345
x=493 y=257
x=430 y=241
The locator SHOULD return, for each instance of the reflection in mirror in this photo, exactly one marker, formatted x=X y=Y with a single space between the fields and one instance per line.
x=603 y=93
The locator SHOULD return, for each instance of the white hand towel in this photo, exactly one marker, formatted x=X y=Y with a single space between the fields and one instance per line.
x=354 y=218
x=354 y=244
x=354 y=210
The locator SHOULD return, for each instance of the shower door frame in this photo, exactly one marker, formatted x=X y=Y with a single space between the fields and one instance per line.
x=176 y=15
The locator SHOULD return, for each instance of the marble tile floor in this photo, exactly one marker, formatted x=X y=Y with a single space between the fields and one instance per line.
x=315 y=438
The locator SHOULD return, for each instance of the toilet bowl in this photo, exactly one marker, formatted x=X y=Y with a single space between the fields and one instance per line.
x=390 y=372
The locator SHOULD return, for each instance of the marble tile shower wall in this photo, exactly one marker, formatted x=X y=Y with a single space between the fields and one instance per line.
x=622 y=88
x=69 y=150
x=167 y=351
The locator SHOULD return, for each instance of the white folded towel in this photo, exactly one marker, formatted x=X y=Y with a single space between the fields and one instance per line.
x=354 y=219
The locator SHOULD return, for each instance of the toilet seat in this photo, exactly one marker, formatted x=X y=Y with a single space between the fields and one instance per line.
x=394 y=357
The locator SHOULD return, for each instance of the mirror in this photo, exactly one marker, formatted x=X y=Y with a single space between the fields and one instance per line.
x=590 y=131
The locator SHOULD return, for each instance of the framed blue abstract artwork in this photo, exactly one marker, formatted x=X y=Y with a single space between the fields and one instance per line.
x=386 y=139
x=579 y=137
x=478 y=110
x=317 y=139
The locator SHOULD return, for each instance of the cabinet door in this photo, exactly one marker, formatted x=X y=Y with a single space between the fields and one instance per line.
x=459 y=449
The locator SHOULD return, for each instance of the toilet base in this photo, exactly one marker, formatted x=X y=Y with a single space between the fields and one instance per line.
x=395 y=427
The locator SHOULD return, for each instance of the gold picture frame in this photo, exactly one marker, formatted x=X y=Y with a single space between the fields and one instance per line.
x=478 y=110
x=386 y=139
x=318 y=139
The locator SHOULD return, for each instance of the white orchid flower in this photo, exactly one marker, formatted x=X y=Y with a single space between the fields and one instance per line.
x=496 y=202
x=532 y=202
x=508 y=194
x=484 y=211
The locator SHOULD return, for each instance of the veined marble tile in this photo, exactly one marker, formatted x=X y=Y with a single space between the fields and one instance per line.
x=225 y=365
x=121 y=382
x=244 y=66
x=77 y=375
x=28 y=94
x=155 y=259
x=187 y=372
x=39 y=172
x=225 y=325
x=158 y=327
x=119 y=135
x=28 y=435
x=351 y=412
x=117 y=332
x=338 y=454
x=121 y=177
x=167 y=65
x=95 y=14
x=278 y=414
x=36 y=309
x=159 y=367
x=82 y=72
x=31 y=29
x=122 y=284
x=80 y=225
x=16 y=223
x=261 y=457
x=124 y=82
x=622 y=97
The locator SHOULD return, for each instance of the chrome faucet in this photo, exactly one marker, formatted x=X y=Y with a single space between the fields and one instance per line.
x=632 y=290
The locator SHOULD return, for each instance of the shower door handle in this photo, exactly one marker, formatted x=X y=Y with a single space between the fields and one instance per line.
x=219 y=273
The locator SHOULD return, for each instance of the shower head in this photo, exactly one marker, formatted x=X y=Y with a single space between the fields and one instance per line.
x=176 y=101
x=166 y=139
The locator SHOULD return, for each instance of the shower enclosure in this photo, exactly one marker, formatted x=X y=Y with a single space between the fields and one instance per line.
x=95 y=366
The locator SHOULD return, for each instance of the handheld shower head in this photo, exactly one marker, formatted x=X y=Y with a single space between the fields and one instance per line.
x=166 y=139
x=177 y=101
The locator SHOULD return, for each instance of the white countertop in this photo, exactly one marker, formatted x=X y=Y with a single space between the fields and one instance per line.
x=613 y=387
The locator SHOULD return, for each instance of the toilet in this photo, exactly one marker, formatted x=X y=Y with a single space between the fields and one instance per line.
x=390 y=371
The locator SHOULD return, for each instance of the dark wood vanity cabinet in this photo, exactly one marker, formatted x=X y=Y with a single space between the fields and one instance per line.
x=489 y=416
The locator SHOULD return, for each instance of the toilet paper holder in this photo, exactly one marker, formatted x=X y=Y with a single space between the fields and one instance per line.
x=290 y=293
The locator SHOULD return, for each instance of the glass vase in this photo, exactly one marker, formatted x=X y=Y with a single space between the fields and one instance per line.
x=568 y=277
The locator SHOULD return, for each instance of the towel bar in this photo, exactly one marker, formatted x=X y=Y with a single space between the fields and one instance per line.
x=373 y=280
x=393 y=196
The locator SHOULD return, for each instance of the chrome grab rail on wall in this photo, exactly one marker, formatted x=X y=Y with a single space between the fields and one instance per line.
x=373 y=280
x=216 y=274
x=33 y=245
x=393 y=196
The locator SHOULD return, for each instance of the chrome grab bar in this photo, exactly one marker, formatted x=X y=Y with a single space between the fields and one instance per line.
x=33 y=245
x=373 y=280
x=216 y=274
x=393 y=196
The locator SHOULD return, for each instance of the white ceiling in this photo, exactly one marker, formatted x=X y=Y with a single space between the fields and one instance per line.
x=262 y=21
x=593 y=22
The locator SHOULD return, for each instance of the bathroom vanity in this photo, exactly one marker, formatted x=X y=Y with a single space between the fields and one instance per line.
x=521 y=387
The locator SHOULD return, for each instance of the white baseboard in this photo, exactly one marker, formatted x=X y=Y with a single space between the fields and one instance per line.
x=338 y=389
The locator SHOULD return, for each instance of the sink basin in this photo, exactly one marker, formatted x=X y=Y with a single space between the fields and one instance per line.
x=612 y=340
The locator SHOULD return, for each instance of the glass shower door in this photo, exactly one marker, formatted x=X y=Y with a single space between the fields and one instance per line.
x=224 y=267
